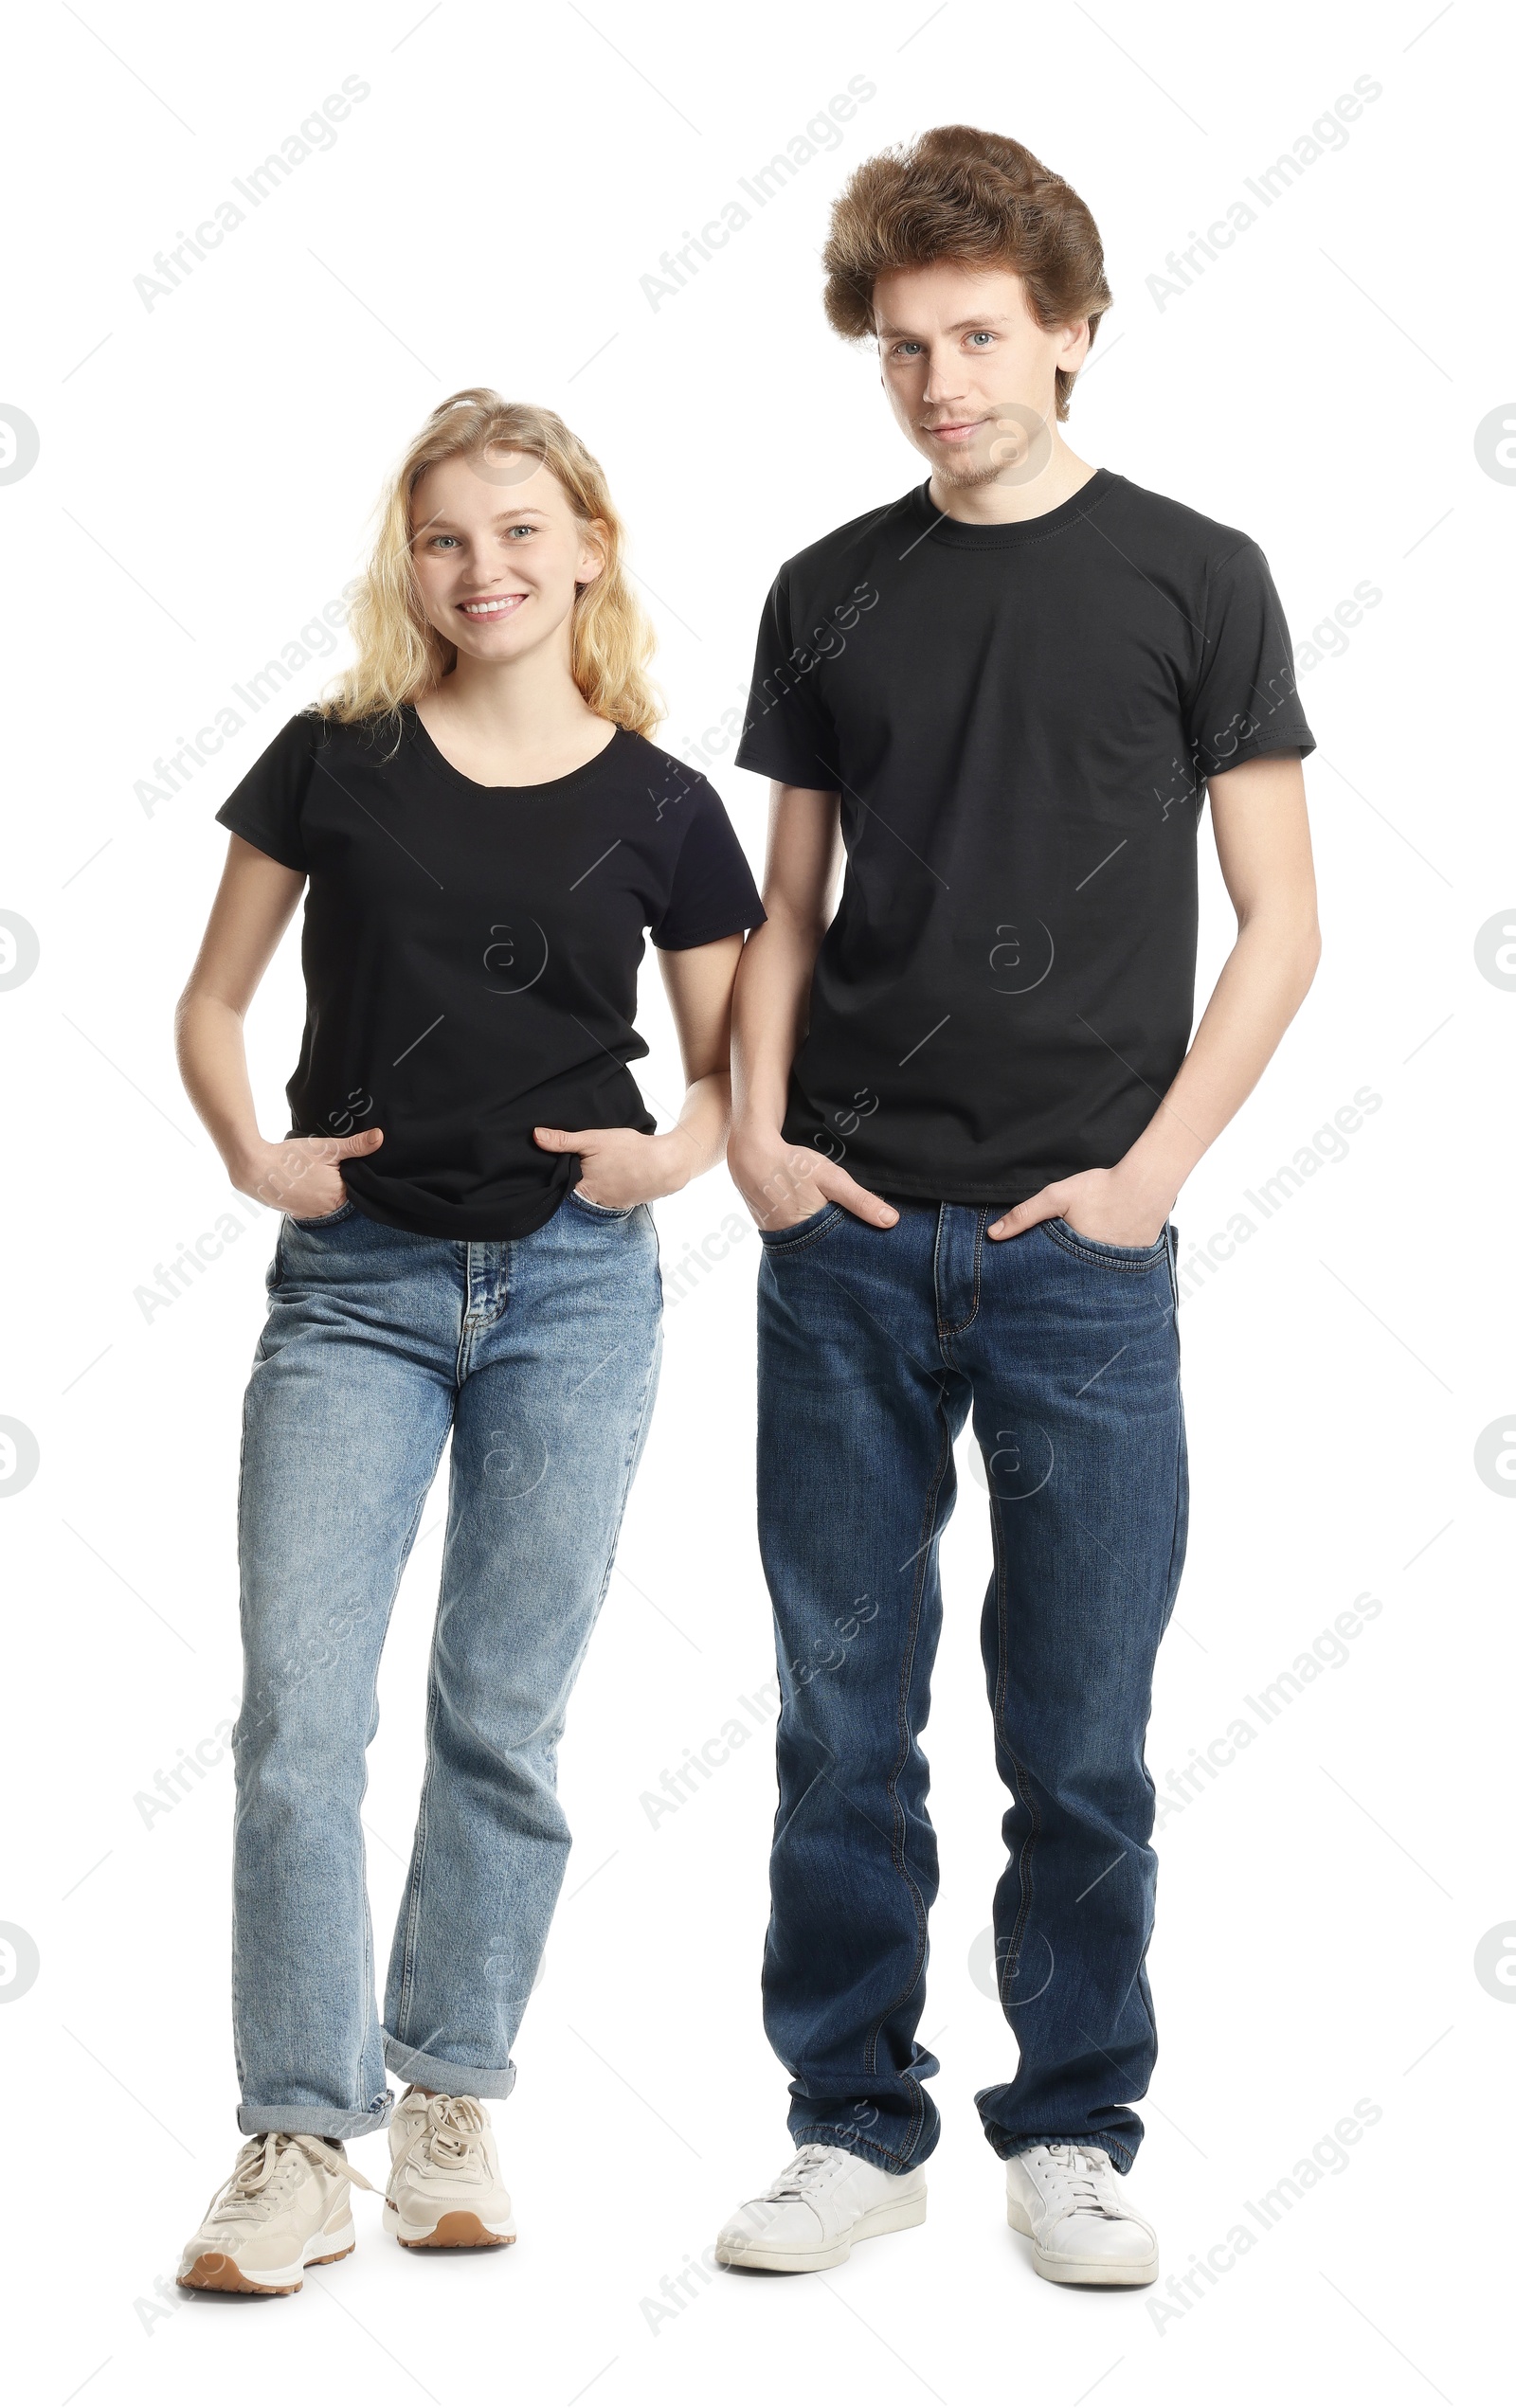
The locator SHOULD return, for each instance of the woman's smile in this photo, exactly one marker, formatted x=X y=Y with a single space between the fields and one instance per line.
x=492 y=606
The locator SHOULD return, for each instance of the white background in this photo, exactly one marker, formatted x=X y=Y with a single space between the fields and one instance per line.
x=205 y=471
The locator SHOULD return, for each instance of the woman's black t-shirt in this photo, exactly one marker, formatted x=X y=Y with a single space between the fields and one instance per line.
x=471 y=953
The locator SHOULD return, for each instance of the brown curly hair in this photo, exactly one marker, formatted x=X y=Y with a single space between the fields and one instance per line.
x=980 y=200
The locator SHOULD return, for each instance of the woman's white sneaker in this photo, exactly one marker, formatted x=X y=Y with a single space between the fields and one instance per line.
x=812 y=2213
x=1082 y=2228
x=445 y=2190
x=284 y=2207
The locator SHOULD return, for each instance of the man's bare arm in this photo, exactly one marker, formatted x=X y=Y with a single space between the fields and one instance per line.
x=782 y=1183
x=1263 y=843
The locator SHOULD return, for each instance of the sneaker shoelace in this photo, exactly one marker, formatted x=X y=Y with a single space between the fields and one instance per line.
x=802 y=2174
x=1081 y=2182
x=452 y=2138
x=259 y=2182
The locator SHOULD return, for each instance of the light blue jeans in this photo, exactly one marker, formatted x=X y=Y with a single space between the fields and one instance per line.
x=540 y=1356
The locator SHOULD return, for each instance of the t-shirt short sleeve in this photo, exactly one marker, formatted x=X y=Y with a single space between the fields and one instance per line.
x=788 y=733
x=266 y=808
x=712 y=893
x=1245 y=701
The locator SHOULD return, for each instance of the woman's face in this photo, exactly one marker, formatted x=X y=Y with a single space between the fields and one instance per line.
x=498 y=553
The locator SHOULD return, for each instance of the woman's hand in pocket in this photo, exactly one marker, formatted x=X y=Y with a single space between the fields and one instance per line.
x=622 y=1167
x=302 y=1175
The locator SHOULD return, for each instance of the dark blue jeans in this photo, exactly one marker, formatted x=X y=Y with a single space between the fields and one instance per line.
x=872 y=1346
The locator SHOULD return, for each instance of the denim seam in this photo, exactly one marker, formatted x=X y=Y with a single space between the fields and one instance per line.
x=408 y=1963
x=413 y=1900
x=1179 y=1463
x=941 y=1326
x=947 y=1330
x=1010 y=1963
x=465 y=1321
x=472 y=1324
x=1026 y=1869
x=896 y=1845
x=366 y=2004
x=1013 y=1951
x=1171 y=1581
x=1171 y=1589
x=241 y=1703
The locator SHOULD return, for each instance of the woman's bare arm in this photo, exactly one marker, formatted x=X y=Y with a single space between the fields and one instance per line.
x=622 y=1166
x=253 y=905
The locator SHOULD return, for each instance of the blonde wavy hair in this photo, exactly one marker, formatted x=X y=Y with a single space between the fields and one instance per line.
x=401 y=656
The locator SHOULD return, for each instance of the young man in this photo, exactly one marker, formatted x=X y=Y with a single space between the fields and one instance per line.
x=964 y=1110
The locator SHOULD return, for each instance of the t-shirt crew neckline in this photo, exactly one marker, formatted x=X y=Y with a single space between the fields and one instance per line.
x=967 y=537
x=551 y=788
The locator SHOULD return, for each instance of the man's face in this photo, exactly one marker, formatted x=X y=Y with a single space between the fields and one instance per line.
x=968 y=371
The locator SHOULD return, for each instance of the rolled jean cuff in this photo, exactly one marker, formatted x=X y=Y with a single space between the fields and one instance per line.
x=308 y=2115
x=435 y=2073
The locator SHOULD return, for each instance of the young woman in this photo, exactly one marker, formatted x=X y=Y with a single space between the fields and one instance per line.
x=484 y=833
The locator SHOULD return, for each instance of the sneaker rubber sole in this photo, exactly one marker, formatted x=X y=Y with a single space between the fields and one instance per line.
x=460 y=2228
x=893 y=2219
x=1110 y=2274
x=217 y=2270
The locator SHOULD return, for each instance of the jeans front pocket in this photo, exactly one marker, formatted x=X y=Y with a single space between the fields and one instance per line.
x=604 y=1212
x=1097 y=1249
x=796 y=1233
x=323 y=1220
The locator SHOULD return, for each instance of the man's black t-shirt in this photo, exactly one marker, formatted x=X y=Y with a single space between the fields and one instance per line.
x=1019 y=720
x=471 y=953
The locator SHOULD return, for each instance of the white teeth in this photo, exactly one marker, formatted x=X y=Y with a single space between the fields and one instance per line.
x=488 y=609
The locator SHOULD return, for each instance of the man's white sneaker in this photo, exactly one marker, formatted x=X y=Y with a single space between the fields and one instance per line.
x=285 y=2207
x=1082 y=2229
x=445 y=2190
x=812 y=2213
